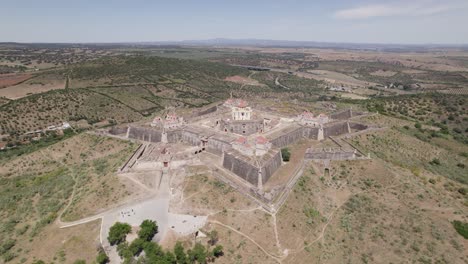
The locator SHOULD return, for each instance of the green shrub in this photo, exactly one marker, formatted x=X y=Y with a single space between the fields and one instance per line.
x=286 y=154
x=118 y=232
x=435 y=161
x=461 y=227
x=8 y=256
x=136 y=246
x=148 y=229
x=179 y=252
x=7 y=245
x=462 y=191
x=218 y=251
x=102 y=258
x=197 y=254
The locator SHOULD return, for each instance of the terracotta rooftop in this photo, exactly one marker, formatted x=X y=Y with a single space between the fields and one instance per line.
x=261 y=140
x=242 y=140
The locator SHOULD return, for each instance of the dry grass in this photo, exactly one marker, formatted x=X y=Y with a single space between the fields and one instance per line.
x=64 y=245
x=43 y=181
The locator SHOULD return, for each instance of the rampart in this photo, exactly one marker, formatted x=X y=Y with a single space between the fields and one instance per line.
x=335 y=129
x=358 y=126
x=288 y=138
x=236 y=163
x=270 y=165
x=311 y=132
x=195 y=136
x=250 y=169
x=207 y=111
x=174 y=136
x=144 y=134
x=343 y=115
x=115 y=130
x=218 y=144
x=330 y=154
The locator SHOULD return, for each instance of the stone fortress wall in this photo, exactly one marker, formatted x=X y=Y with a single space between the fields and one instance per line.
x=343 y=115
x=288 y=138
x=331 y=154
x=145 y=134
x=253 y=170
x=310 y=132
x=357 y=126
x=206 y=111
x=330 y=129
x=237 y=164
x=270 y=165
x=174 y=136
x=118 y=130
x=336 y=129
x=192 y=137
x=217 y=145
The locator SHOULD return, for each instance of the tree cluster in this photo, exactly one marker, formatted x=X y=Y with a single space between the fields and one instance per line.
x=154 y=253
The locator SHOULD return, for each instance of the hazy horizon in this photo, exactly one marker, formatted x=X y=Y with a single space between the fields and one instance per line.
x=227 y=41
x=420 y=22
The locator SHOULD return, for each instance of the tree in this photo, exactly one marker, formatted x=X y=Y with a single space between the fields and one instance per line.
x=79 y=261
x=213 y=237
x=218 y=251
x=198 y=253
x=417 y=125
x=124 y=250
x=285 y=154
x=118 y=232
x=148 y=229
x=461 y=227
x=136 y=246
x=153 y=252
x=102 y=258
x=169 y=258
x=180 y=254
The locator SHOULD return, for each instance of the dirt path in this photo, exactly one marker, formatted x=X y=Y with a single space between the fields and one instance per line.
x=72 y=196
x=140 y=184
x=332 y=214
x=280 y=85
x=276 y=258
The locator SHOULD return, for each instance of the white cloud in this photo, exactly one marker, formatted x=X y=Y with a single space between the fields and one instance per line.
x=414 y=8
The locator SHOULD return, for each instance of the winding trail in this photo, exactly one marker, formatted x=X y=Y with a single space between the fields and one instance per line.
x=72 y=196
x=276 y=258
x=280 y=85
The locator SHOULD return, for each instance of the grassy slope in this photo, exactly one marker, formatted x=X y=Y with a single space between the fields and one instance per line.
x=35 y=187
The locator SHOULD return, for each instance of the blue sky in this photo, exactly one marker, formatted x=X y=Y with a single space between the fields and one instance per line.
x=366 y=21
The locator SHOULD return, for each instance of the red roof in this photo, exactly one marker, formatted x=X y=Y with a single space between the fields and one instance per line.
x=242 y=140
x=236 y=102
x=242 y=104
x=261 y=140
x=307 y=115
